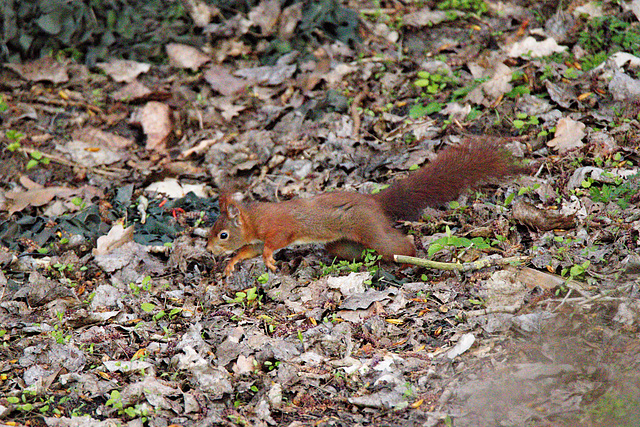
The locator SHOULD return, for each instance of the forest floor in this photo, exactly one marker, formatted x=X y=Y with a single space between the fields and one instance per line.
x=112 y=312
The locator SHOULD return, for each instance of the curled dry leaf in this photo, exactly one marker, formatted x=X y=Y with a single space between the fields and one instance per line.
x=122 y=70
x=531 y=48
x=569 y=134
x=43 y=69
x=155 y=119
x=221 y=80
x=117 y=236
x=183 y=56
x=541 y=219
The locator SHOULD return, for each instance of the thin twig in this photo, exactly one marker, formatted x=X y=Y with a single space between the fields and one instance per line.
x=451 y=266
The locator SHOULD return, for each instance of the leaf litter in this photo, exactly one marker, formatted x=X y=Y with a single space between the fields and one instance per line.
x=112 y=311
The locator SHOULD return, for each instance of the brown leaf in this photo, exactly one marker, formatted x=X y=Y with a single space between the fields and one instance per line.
x=35 y=197
x=183 y=56
x=131 y=92
x=541 y=219
x=221 y=80
x=123 y=70
x=155 y=119
x=569 y=134
x=41 y=69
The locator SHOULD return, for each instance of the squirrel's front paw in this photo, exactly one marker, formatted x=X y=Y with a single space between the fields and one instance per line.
x=270 y=263
x=229 y=268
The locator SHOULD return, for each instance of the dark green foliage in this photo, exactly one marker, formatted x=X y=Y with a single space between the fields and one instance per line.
x=621 y=194
x=91 y=29
x=610 y=34
x=95 y=30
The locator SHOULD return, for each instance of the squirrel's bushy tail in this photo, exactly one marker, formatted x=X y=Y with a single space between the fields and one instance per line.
x=455 y=169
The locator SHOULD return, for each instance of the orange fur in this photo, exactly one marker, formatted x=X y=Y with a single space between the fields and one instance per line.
x=349 y=222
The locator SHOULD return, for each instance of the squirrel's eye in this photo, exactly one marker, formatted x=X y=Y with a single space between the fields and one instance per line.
x=223 y=235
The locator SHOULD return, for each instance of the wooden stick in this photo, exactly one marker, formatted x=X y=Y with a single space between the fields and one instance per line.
x=467 y=266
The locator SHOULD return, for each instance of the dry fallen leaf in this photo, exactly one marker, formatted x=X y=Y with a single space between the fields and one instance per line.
x=117 y=236
x=569 y=134
x=43 y=69
x=266 y=15
x=36 y=197
x=183 y=56
x=541 y=219
x=98 y=137
x=531 y=48
x=155 y=119
x=488 y=92
x=122 y=70
x=221 y=80
x=131 y=92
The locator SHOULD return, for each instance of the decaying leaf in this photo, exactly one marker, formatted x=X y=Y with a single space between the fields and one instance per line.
x=541 y=219
x=43 y=69
x=184 y=56
x=531 y=48
x=569 y=134
x=122 y=70
x=17 y=201
x=155 y=119
x=117 y=236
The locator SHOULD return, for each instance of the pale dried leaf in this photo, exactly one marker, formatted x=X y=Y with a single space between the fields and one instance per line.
x=426 y=16
x=173 y=189
x=183 y=56
x=569 y=134
x=43 y=69
x=221 y=80
x=266 y=15
x=289 y=19
x=531 y=48
x=269 y=75
x=117 y=236
x=155 y=119
x=122 y=70
x=200 y=11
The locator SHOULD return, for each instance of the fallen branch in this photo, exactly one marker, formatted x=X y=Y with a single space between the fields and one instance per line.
x=456 y=266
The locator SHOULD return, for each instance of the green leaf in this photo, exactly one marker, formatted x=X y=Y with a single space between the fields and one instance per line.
x=50 y=23
x=417 y=111
x=31 y=164
x=433 y=248
x=147 y=306
x=433 y=107
x=509 y=199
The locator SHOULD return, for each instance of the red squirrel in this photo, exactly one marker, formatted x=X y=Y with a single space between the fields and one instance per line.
x=349 y=222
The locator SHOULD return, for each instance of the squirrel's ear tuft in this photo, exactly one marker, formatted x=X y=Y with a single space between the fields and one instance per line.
x=233 y=211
